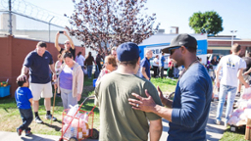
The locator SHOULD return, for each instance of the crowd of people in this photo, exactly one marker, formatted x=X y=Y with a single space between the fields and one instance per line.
x=131 y=107
x=187 y=113
x=67 y=76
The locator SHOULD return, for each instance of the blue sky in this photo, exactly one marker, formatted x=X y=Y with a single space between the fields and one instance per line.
x=236 y=14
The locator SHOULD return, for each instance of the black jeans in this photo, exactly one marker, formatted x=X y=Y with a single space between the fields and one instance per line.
x=155 y=71
x=162 y=72
x=27 y=117
x=170 y=72
x=99 y=66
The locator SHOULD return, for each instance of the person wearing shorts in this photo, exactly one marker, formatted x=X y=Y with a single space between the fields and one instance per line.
x=38 y=63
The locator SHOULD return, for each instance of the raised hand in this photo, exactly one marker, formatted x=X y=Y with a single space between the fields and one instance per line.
x=143 y=104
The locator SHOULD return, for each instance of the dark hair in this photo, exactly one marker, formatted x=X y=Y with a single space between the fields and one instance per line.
x=112 y=60
x=89 y=55
x=68 y=54
x=132 y=63
x=236 y=48
x=21 y=83
x=41 y=44
x=79 y=53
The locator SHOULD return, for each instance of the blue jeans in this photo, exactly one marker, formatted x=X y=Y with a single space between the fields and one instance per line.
x=27 y=117
x=67 y=98
x=224 y=90
x=89 y=71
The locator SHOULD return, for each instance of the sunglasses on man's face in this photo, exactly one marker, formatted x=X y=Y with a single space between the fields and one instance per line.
x=171 y=50
x=67 y=43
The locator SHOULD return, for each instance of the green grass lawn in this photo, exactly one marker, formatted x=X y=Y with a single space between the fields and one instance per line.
x=166 y=85
x=232 y=136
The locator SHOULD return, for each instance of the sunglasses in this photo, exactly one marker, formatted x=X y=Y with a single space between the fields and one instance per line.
x=67 y=43
x=171 y=50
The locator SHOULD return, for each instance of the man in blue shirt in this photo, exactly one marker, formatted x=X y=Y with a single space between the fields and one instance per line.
x=188 y=112
x=145 y=65
x=38 y=63
x=162 y=65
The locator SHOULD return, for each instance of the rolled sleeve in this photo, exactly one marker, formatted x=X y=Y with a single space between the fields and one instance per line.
x=193 y=100
x=243 y=64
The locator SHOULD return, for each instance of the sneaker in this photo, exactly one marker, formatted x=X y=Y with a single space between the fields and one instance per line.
x=49 y=117
x=238 y=94
x=38 y=120
x=217 y=122
x=28 y=132
x=19 y=131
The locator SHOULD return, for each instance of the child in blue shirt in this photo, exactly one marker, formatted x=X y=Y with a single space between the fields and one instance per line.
x=23 y=98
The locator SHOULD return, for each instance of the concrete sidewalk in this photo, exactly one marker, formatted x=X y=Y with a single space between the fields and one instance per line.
x=214 y=132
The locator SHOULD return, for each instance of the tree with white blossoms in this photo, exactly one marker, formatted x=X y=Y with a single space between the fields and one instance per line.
x=103 y=24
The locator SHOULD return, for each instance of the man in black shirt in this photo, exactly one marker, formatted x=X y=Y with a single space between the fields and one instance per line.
x=68 y=44
x=98 y=61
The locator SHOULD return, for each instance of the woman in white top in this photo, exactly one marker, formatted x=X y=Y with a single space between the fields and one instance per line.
x=80 y=60
x=156 y=66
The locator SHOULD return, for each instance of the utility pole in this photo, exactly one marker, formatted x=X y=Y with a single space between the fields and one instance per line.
x=232 y=41
x=10 y=19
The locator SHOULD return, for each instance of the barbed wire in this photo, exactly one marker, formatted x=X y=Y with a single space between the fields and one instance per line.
x=27 y=9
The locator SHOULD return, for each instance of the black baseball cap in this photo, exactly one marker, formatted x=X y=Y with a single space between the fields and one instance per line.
x=182 y=40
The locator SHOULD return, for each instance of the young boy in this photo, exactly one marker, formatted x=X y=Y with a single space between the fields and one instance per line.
x=23 y=98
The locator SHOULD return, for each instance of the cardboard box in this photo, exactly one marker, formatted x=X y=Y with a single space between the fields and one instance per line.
x=248 y=130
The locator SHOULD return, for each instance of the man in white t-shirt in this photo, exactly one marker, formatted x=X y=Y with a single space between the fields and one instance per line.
x=156 y=66
x=80 y=59
x=232 y=66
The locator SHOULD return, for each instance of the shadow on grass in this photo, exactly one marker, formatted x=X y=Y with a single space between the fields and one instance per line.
x=57 y=128
x=88 y=106
x=88 y=82
x=7 y=102
x=6 y=110
x=238 y=130
x=58 y=121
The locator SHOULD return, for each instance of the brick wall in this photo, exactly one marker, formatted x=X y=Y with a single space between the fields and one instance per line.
x=13 y=52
